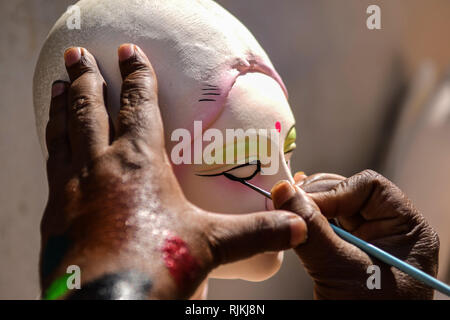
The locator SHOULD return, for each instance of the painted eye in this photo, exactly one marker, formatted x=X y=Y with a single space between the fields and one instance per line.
x=246 y=171
x=289 y=142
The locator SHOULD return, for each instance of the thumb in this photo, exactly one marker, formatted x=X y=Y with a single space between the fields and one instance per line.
x=323 y=247
x=236 y=237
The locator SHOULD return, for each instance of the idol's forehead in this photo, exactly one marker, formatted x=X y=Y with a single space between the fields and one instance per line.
x=190 y=44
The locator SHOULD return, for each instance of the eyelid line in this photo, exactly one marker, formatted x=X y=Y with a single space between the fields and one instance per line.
x=258 y=169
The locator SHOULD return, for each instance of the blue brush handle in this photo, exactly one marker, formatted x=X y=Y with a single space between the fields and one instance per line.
x=393 y=261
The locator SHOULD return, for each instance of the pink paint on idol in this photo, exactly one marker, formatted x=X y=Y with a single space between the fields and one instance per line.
x=224 y=83
x=278 y=126
x=181 y=264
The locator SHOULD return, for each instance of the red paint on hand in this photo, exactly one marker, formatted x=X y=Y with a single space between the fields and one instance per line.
x=181 y=264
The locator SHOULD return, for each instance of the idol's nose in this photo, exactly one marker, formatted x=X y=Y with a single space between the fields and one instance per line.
x=283 y=174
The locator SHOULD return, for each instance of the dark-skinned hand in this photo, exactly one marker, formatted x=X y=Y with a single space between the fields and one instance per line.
x=114 y=204
x=372 y=208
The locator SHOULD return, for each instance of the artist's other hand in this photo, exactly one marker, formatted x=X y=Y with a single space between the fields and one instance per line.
x=373 y=209
x=115 y=208
x=317 y=182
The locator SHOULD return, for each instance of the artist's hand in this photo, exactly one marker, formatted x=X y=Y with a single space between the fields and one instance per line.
x=317 y=182
x=373 y=209
x=115 y=208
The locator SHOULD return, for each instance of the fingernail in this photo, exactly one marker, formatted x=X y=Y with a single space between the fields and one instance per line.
x=138 y=49
x=125 y=51
x=58 y=88
x=72 y=56
x=281 y=193
x=299 y=176
x=299 y=231
x=141 y=53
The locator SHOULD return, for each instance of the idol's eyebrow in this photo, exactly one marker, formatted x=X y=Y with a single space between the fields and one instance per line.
x=210 y=88
x=258 y=164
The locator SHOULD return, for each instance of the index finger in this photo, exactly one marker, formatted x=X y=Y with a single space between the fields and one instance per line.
x=88 y=117
x=319 y=182
x=366 y=193
x=139 y=115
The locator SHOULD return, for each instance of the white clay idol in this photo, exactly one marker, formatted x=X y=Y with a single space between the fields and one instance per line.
x=210 y=69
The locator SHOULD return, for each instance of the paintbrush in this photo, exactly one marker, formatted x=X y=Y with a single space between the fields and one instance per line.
x=369 y=248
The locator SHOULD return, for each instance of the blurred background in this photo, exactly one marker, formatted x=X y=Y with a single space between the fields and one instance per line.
x=362 y=98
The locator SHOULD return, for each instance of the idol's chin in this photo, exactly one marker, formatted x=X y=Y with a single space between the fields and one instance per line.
x=257 y=268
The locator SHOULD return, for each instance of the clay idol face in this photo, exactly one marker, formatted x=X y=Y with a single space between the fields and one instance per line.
x=211 y=71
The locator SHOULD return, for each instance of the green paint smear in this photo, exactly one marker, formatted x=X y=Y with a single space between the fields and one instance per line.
x=58 y=288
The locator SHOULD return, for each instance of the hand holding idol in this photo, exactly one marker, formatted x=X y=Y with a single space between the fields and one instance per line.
x=373 y=209
x=114 y=199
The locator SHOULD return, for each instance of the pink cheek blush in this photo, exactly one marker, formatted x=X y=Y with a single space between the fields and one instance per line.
x=181 y=264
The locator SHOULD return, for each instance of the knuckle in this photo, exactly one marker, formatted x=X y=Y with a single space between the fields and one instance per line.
x=371 y=175
x=132 y=155
x=132 y=115
x=134 y=94
x=426 y=248
x=139 y=85
x=264 y=223
x=90 y=82
x=141 y=75
x=83 y=103
x=435 y=242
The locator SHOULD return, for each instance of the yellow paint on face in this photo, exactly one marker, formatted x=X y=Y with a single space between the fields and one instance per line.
x=241 y=151
x=250 y=154
x=289 y=142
